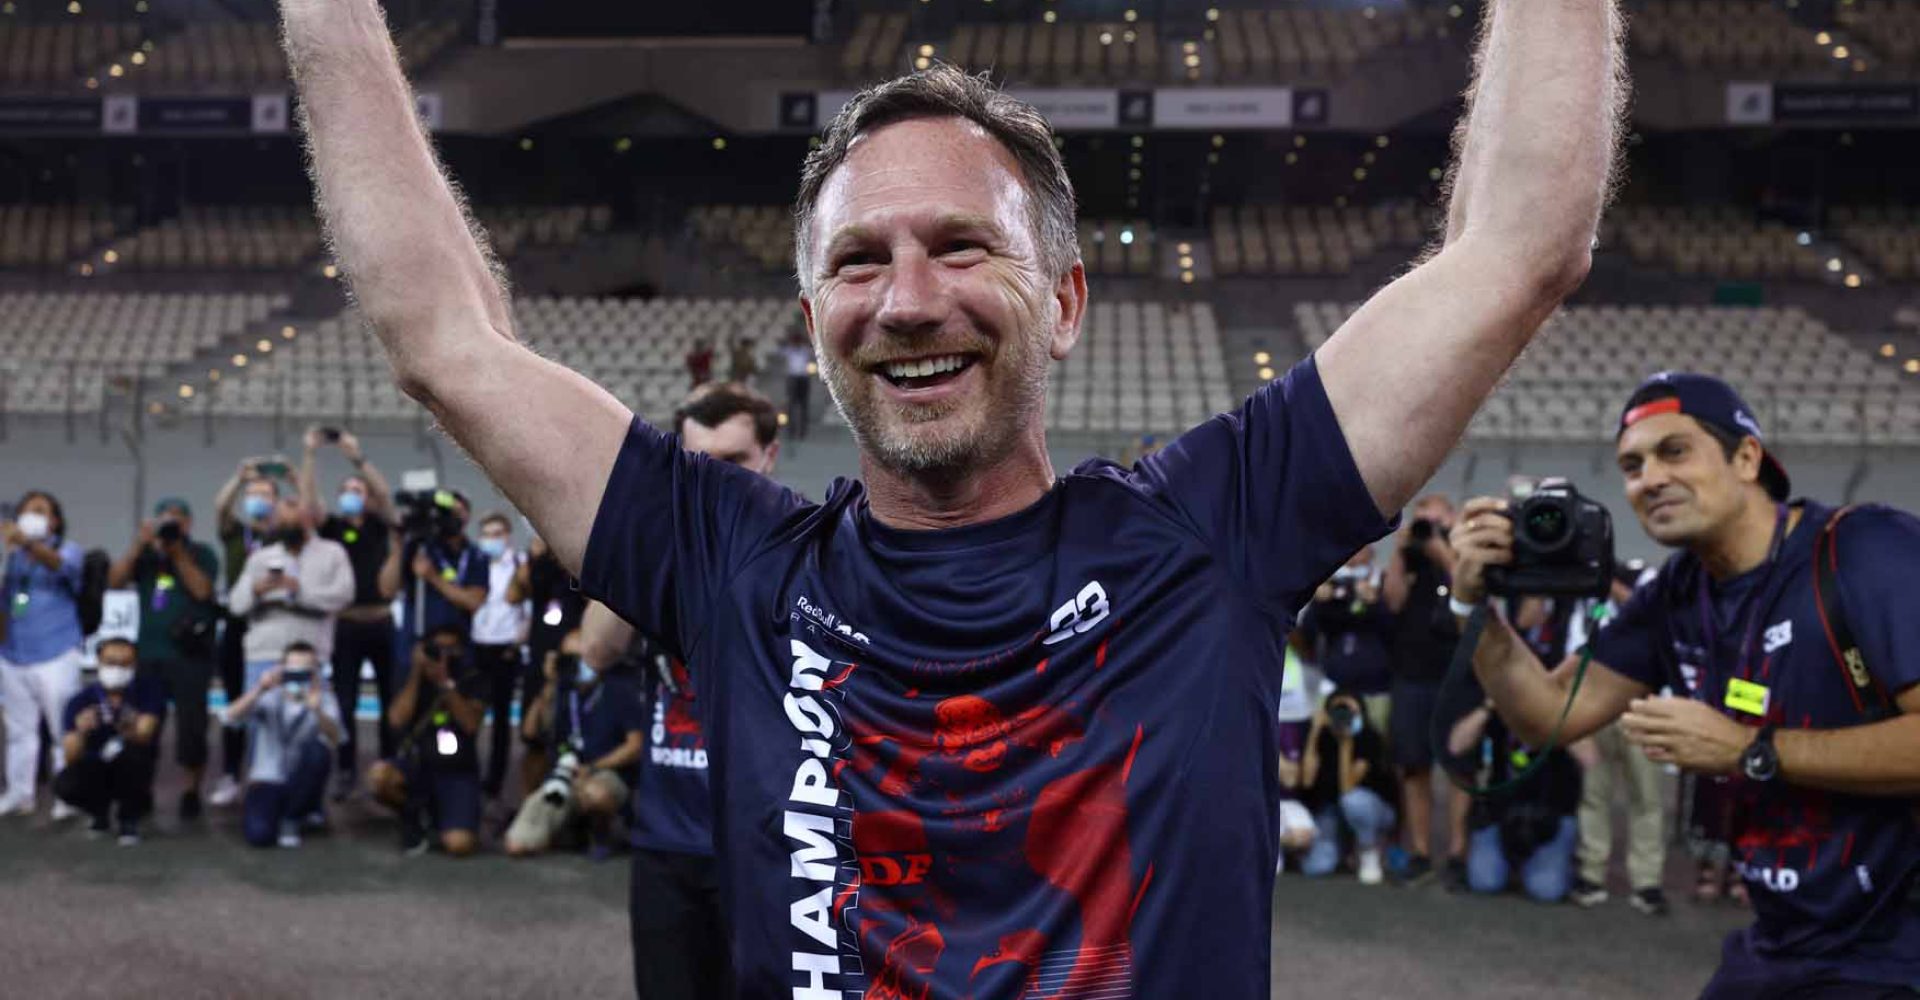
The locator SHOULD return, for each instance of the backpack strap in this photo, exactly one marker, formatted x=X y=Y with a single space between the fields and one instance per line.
x=1869 y=697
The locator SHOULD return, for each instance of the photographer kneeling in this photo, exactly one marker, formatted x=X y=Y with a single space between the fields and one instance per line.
x=111 y=728
x=1531 y=827
x=293 y=721
x=434 y=777
x=595 y=727
x=1349 y=787
x=1793 y=648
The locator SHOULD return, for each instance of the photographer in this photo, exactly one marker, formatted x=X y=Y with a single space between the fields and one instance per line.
x=40 y=640
x=1793 y=648
x=1347 y=786
x=179 y=622
x=1346 y=629
x=1416 y=587
x=362 y=523
x=433 y=779
x=112 y=727
x=294 y=722
x=594 y=728
x=244 y=509
x=441 y=578
x=499 y=640
x=1531 y=827
x=289 y=591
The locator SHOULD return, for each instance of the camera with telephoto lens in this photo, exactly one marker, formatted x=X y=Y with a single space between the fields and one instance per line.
x=557 y=790
x=1342 y=717
x=1562 y=545
x=169 y=532
x=428 y=514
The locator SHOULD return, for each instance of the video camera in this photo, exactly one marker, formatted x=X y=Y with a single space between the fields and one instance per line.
x=1562 y=545
x=428 y=514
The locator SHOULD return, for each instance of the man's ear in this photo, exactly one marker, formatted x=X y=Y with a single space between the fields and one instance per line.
x=1746 y=459
x=1070 y=296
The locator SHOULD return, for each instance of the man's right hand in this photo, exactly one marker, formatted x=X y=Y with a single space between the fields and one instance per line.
x=1482 y=537
x=149 y=532
x=270 y=679
x=86 y=720
x=313 y=439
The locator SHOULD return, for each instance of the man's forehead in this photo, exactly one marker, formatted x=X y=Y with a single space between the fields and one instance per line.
x=1644 y=434
x=736 y=433
x=942 y=165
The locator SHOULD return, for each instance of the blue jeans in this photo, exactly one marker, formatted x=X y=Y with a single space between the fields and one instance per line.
x=270 y=803
x=1360 y=810
x=1546 y=874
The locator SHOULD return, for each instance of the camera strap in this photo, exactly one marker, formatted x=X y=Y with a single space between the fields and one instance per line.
x=1462 y=666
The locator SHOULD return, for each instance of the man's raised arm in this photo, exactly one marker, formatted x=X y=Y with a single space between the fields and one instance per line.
x=1533 y=166
x=423 y=278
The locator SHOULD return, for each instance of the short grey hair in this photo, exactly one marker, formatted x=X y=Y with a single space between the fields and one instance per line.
x=944 y=91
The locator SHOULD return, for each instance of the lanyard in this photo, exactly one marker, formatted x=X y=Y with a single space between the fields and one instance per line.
x=1753 y=609
x=107 y=713
x=466 y=555
x=577 y=737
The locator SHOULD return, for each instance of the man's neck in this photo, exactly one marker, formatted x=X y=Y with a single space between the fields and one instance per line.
x=1745 y=542
x=920 y=502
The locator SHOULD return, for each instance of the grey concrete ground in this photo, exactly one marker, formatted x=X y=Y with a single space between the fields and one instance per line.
x=192 y=912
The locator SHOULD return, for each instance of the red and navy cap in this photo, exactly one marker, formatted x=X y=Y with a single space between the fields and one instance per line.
x=1712 y=402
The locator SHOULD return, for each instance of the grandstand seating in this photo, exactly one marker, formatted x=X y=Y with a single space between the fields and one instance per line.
x=57 y=349
x=1292 y=43
x=223 y=237
x=59 y=55
x=1117 y=247
x=1726 y=36
x=43 y=236
x=1271 y=239
x=1888 y=236
x=762 y=232
x=245 y=54
x=634 y=348
x=1890 y=28
x=1716 y=240
x=1142 y=366
x=875 y=48
x=1056 y=53
x=515 y=228
x=1810 y=385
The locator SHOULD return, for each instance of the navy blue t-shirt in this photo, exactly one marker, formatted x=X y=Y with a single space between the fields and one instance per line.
x=466 y=568
x=672 y=807
x=1830 y=873
x=606 y=714
x=1036 y=754
x=147 y=695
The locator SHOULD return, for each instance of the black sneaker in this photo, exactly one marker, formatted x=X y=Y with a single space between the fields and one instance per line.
x=1587 y=894
x=1456 y=877
x=129 y=833
x=1417 y=871
x=189 y=805
x=1651 y=902
x=98 y=827
x=413 y=834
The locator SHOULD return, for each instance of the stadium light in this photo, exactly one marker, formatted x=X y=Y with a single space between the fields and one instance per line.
x=1380 y=141
x=1139 y=141
x=239 y=361
x=926 y=50
x=86 y=270
x=264 y=346
x=1434 y=174
x=1823 y=38
x=1050 y=16
x=1886 y=350
x=73 y=7
x=1804 y=239
x=1126 y=237
x=1853 y=281
x=1912 y=366
x=1189 y=48
x=330 y=271
x=783 y=420
x=1186 y=277
x=1840 y=52
x=1299 y=142
x=1185 y=248
x=213 y=374
x=93 y=83
x=1369 y=13
x=138 y=59
x=720 y=143
x=156 y=408
x=1192 y=61
x=111 y=256
x=1131 y=15
x=1833 y=264
x=288 y=333
x=1293 y=158
x=186 y=392
x=1129 y=37
x=116 y=71
x=1266 y=374
x=813 y=369
x=1262 y=358
x=1186 y=261
x=1106 y=38
x=1359 y=173
x=1213 y=13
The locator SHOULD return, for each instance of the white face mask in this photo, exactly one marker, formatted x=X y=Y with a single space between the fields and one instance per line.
x=35 y=525
x=115 y=678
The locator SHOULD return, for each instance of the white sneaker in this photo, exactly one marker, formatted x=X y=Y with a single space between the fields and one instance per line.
x=289 y=834
x=1370 y=866
x=63 y=812
x=16 y=805
x=225 y=792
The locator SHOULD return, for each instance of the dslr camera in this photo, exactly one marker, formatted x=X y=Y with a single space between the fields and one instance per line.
x=1344 y=607
x=168 y=532
x=1562 y=545
x=427 y=514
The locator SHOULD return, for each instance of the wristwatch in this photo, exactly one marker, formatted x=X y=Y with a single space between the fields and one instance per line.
x=1760 y=761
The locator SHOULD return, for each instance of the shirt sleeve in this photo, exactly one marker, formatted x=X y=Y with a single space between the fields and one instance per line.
x=671 y=528
x=1633 y=642
x=477 y=572
x=1879 y=547
x=1272 y=488
x=72 y=560
x=70 y=714
x=334 y=588
x=240 y=595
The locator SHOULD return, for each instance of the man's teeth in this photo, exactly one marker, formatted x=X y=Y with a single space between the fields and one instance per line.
x=925 y=367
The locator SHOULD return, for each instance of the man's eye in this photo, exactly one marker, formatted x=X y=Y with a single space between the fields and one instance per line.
x=856 y=260
x=961 y=246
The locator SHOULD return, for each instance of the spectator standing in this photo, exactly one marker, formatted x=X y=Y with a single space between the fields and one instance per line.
x=596 y=718
x=433 y=780
x=1347 y=629
x=700 y=363
x=289 y=591
x=1347 y=783
x=112 y=731
x=743 y=364
x=499 y=640
x=40 y=650
x=244 y=508
x=363 y=633
x=797 y=354
x=294 y=722
x=1416 y=587
x=179 y=624
x=1531 y=827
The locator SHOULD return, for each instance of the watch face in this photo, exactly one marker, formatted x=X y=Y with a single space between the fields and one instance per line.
x=1759 y=762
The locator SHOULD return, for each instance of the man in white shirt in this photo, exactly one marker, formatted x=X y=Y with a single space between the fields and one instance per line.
x=290 y=590
x=499 y=635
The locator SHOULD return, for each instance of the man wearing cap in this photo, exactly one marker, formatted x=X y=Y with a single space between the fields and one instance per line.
x=1810 y=707
x=174 y=575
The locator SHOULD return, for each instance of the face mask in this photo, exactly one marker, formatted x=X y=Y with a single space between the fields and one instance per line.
x=352 y=504
x=493 y=548
x=35 y=525
x=584 y=674
x=256 y=508
x=297 y=681
x=115 y=678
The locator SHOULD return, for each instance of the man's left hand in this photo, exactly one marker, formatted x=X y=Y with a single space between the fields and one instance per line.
x=1686 y=732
